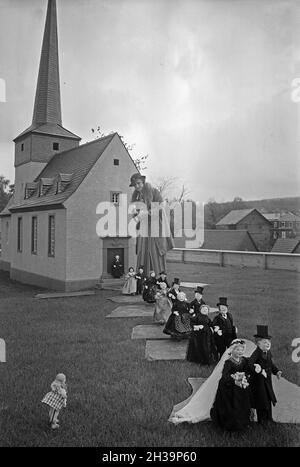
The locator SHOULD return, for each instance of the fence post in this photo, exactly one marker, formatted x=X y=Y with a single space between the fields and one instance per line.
x=265 y=265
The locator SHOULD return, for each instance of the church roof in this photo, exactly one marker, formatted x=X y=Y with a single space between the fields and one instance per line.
x=77 y=161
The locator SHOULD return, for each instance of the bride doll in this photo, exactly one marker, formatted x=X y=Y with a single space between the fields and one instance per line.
x=198 y=406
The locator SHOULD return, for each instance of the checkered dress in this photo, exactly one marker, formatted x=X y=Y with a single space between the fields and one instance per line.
x=54 y=400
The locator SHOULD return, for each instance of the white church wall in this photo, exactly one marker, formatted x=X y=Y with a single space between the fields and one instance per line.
x=84 y=247
x=40 y=268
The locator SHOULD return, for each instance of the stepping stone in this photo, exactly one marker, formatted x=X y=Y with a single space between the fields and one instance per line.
x=192 y=285
x=127 y=299
x=148 y=331
x=65 y=294
x=166 y=350
x=131 y=311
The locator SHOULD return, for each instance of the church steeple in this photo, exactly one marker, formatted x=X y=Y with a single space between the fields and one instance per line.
x=46 y=135
x=47 y=106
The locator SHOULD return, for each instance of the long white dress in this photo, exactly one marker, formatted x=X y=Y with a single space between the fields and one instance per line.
x=197 y=407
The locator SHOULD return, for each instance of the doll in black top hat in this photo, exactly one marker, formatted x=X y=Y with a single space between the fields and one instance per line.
x=263 y=367
x=198 y=300
x=140 y=279
x=174 y=291
x=224 y=329
x=163 y=278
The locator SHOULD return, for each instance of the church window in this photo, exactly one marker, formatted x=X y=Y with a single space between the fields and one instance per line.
x=51 y=236
x=115 y=197
x=116 y=161
x=7 y=232
x=19 y=234
x=22 y=147
x=34 y=235
x=55 y=146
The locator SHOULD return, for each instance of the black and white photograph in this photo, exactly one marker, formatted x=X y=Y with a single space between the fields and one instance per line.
x=149 y=226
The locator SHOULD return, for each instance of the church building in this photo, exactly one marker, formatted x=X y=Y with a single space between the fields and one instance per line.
x=48 y=228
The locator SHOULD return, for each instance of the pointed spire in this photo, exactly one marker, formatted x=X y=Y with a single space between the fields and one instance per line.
x=47 y=106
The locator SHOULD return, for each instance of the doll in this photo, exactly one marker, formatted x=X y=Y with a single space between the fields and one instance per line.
x=140 y=278
x=163 y=305
x=175 y=289
x=163 y=278
x=224 y=330
x=261 y=362
x=201 y=348
x=178 y=325
x=150 y=288
x=56 y=399
x=231 y=409
x=129 y=287
x=117 y=267
x=198 y=301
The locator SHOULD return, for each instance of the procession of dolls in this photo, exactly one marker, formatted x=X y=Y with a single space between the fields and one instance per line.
x=245 y=384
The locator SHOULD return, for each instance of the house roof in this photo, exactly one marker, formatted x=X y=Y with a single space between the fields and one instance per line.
x=271 y=216
x=289 y=217
x=285 y=245
x=235 y=216
x=227 y=240
x=77 y=161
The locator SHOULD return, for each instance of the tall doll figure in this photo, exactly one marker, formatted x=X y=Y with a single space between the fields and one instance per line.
x=129 y=287
x=56 y=399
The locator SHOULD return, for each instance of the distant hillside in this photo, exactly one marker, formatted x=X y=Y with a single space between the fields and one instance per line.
x=214 y=211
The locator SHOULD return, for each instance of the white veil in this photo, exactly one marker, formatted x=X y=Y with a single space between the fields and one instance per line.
x=198 y=406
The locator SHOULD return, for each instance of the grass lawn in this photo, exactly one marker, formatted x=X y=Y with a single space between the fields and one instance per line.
x=115 y=396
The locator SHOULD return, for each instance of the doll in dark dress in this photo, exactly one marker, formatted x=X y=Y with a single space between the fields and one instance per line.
x=201 y=348
x=150 y=288
x=174 y=290
x=117 y=267
x=163 y=278
x=224 y=329
x=263 y=367
x=232 y=406
x=198 y=300
x=140 y=280
x=178 y=325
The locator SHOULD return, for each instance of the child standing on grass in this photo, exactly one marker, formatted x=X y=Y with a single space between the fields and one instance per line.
x=56 y=399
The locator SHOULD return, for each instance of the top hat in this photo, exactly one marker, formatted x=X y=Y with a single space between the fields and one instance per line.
x=199 y=289
x=262 y=331
x=176 y=281
x=136 y=177
x=222 y=301
x=162 y=272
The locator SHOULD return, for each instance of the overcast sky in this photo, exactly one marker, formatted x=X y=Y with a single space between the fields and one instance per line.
x=203 y=87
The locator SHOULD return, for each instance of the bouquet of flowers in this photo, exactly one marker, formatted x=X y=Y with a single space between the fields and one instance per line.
x=240 y=379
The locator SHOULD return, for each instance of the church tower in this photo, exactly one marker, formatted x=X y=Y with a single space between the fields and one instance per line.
x=46 y=136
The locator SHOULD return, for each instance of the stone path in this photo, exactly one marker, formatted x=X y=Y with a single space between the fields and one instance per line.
x=65 y=294
x=128 y=299
x=165 y=349
x=131 y=311
x=149 y=331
